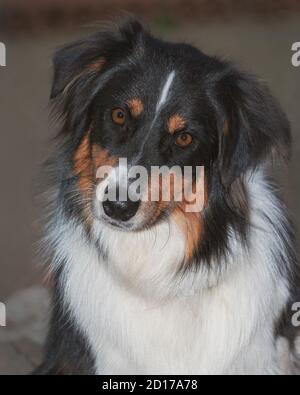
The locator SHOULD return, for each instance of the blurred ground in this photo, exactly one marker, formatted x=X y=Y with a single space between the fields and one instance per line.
x=258 y=45
x=21 y=341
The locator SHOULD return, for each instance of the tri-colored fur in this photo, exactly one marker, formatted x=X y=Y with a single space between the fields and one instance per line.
x=148 y=287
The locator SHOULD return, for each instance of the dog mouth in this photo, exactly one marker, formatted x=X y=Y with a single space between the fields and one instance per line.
x=117 y=225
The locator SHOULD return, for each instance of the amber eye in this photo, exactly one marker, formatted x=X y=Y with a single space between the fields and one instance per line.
x=184 y=139
x=118 y=116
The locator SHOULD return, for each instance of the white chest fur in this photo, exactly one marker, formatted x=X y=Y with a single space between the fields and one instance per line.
x=139 y=319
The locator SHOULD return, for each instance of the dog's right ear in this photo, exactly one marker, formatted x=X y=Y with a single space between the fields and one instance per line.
x=71 y=61
x=91 y=55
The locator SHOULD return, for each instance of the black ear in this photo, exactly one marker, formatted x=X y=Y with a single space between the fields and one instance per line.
x=253 y=126
x=91 y=54
x=70 y=61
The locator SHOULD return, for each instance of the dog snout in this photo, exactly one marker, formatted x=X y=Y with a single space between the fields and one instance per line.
x=121 y=210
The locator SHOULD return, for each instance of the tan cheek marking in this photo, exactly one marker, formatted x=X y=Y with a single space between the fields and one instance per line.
x=175 y=123
x=136 y=107
x=150 y=207
x=101 y=157
x=161 y=190
x=86 y=161
x=191 y=223
x=191 y=226
x=158 y=208
x=83 y=168
x=83 y=165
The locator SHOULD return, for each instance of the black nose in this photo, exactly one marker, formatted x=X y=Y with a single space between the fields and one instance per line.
x=120 y=210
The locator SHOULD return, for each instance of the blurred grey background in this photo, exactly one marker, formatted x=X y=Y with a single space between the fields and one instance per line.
x=257 y=35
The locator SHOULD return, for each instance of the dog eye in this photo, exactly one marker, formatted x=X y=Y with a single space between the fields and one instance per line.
x=184 y=139
x=118 y=116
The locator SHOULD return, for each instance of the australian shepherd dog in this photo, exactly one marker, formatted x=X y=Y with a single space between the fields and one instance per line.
x=147 y=286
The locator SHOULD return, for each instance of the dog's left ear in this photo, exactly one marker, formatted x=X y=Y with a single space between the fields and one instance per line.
x=253 y=126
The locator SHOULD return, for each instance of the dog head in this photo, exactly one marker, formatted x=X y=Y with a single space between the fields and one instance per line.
x=124 y=94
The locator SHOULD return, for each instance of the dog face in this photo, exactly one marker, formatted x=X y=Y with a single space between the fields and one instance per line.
x=124 y=94
x=152 y=120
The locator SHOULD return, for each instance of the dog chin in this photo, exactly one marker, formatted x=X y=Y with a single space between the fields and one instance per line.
x=130 y=226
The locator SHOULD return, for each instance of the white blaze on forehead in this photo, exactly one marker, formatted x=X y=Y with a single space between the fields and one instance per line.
x=165 y=91
x=161 y=101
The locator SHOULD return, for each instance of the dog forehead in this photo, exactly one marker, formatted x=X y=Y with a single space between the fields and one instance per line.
x=162 y=85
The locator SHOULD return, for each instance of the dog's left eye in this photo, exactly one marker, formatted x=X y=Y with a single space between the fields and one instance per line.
x=118 y=116
x=184 y=139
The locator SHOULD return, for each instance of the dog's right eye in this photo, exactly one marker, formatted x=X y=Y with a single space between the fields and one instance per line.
x=118 y=116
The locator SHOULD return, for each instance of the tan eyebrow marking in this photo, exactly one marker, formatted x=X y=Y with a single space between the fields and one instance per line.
x=175 y=123
x=136 y=107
